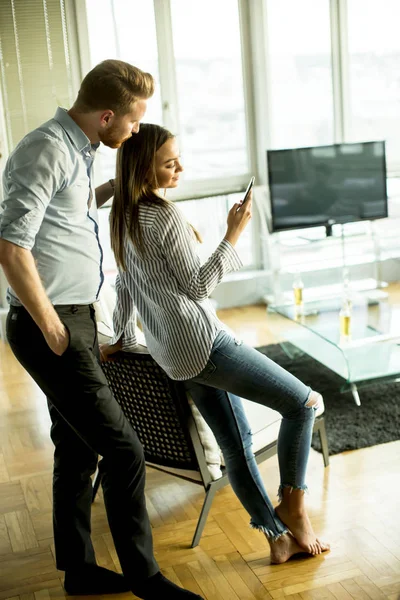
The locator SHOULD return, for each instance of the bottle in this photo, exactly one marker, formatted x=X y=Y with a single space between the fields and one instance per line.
x=346 y=289
x=345 y=319
x=298 y=287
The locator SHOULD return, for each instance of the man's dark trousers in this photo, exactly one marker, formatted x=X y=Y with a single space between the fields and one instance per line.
x=87 y=421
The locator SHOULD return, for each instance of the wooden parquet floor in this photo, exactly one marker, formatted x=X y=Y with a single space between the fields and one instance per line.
x=354 y=504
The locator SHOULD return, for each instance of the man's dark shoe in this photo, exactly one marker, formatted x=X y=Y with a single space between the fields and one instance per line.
x=159 y=587
x=93 y=579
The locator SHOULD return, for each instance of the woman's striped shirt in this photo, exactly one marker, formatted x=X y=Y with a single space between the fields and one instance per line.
x=168 y=289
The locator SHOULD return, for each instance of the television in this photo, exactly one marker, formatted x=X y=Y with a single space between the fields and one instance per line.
x=325 y=185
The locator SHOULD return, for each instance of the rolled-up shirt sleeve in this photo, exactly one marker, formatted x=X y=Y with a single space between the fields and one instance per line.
x=178 y=245
x=124 y=317
x=32 y=177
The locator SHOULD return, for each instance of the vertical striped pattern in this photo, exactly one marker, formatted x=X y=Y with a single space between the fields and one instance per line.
x=35 y=69
x=169 y=289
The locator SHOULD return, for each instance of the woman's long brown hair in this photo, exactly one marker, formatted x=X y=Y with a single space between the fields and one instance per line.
x=135 y=184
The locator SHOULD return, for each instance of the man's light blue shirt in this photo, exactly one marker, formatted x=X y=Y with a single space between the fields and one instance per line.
x=49 y=208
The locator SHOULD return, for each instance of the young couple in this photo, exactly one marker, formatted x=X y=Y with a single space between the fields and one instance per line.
x=52 y=258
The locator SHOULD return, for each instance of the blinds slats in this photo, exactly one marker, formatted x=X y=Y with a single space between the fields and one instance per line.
x=35 y=73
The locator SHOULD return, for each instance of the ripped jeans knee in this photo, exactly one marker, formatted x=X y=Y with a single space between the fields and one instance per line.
x=314 y=400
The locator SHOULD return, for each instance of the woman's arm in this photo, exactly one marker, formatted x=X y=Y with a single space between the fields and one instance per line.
x=124 y=323
x=124 y=317
x=104 y=192
x=179 y=249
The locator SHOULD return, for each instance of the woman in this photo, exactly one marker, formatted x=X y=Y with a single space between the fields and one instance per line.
x=161 y=278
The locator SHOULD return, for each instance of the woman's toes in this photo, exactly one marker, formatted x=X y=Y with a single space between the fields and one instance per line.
x=323 y=546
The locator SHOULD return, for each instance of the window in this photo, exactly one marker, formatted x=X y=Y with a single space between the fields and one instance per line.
x=300 y=74
x=205 y=75
x=300 y=86
x=123 y=30
x=207 y=49
x=373 y=63
x=126 y=30
x=209 y=115
x=212 y=230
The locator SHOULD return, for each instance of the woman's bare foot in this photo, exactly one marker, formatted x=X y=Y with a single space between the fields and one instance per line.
x=300 y=527
x=284 y=548
x=323 y=546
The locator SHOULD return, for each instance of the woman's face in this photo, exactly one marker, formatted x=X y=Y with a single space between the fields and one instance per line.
x=168 y=166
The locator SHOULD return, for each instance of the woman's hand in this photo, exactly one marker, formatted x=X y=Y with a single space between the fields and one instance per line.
x=104 y=192
x=238 y=218
x=107 y=350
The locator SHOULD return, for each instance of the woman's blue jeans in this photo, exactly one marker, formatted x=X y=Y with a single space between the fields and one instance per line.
x=236 y=371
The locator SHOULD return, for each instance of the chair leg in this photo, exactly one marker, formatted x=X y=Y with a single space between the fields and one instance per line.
x=204 y=514
x=324 y=441
x=96 y=484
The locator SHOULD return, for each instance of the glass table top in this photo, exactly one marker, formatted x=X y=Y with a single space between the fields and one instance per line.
x=371 y=350
x=378 y=321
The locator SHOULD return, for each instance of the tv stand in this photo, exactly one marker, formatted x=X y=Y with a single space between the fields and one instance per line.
x=329 y=229
x=325 y=264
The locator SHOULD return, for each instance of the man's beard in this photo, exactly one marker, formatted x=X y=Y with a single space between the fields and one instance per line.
x=113 y=139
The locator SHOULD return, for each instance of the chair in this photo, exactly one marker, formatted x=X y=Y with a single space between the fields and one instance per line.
x=159 y=411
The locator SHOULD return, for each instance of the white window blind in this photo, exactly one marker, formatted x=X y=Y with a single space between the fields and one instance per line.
x=35 y=65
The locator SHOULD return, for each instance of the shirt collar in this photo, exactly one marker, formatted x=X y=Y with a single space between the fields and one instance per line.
x=74 y=132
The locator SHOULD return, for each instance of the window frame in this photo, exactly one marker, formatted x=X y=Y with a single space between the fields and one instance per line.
x=341 y=83
x=253 y=18
x=169 y=96
x=170 y=104
x=189 y=190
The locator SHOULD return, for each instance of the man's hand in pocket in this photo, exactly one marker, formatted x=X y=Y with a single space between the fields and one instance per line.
x=57 y=338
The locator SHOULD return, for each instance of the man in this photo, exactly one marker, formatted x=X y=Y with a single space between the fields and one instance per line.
x=51 y=255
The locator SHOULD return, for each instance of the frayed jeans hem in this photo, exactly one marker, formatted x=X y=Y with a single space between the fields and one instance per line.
x=268 y=532
x=304 y=488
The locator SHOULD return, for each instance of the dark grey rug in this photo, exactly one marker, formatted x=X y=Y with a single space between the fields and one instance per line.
x=348 y=426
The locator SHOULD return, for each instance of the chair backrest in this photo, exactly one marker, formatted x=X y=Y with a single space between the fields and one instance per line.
x=157 y=408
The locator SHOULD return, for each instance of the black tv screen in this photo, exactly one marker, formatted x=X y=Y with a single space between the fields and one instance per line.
x=324 y=185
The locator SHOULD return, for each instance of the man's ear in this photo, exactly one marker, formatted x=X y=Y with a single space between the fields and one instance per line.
x=106 y=118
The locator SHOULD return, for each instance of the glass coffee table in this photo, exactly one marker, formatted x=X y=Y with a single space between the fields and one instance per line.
x=370 y=354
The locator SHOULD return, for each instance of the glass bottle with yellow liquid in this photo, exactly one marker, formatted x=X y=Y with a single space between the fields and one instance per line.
x=345 y=319
x=298 y=287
